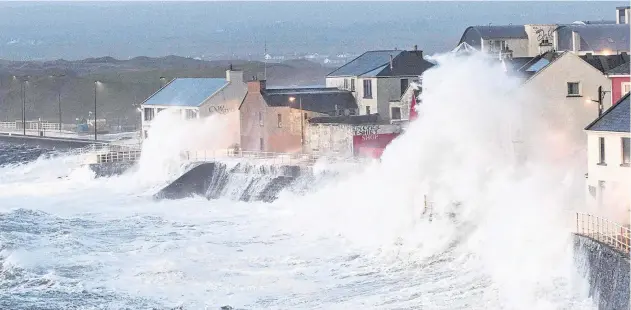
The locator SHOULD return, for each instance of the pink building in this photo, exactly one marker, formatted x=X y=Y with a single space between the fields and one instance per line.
x=620 y=82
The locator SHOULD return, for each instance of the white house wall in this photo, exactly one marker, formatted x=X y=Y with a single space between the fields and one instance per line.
x=617 y=179
x=226 y=103
x=550 y=85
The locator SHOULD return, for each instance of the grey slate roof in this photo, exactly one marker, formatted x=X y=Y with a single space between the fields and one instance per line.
x=186 y=92
x=605 y=63
x=499 y=32
x=622 y=69
x=595 y=37
x=615 y=119
x=377 y=63
x=321 y=99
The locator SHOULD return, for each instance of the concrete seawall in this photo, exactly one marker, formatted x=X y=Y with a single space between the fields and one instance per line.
x=607 y=272
x=243 y=182
x=49 y=142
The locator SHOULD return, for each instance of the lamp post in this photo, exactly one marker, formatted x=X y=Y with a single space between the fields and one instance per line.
x=58 y=98
x=95 y=84
x=23 y=81
x=601 y=95
x=302 y=131
x=162 y=81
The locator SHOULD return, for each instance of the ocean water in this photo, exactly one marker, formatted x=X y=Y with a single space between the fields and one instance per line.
x=242 y=29
x=494 y=233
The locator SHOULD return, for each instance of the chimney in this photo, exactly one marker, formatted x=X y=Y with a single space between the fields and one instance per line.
x=576 y=42
x=391 y=62
x=256 y=86
x=415 y=47
x=234 y=76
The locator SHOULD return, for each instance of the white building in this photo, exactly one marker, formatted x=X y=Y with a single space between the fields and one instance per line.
x=609 y=161
x=581 y=37
x=197 y=98
x=377 y=78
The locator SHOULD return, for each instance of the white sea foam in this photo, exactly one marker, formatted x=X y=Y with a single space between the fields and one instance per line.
x=497 y=238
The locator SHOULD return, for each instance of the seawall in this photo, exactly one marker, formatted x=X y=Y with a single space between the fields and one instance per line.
x=242 y=181
x=607 y=272
x=49 y=142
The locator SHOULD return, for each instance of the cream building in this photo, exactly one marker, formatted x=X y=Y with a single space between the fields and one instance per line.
x=570 y=87
x=377 y=78
x=609 y=161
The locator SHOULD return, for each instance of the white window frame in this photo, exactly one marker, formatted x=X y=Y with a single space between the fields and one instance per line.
x=568 y=89
x=624 y=85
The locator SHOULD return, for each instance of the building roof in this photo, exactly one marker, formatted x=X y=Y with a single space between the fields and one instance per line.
x=498 y=32
x=598 y=37
x=605 y=63
x=349 y=120
x=186 y=92
x=320 y=100
x=377 y=63
x=615 y=119
x=622 y=69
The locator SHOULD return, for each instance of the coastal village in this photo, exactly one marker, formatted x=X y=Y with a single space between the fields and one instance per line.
x=368 y=101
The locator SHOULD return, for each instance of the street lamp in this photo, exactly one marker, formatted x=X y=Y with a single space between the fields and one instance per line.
x=23 y=80
x=95 y=85
x=601 y=95
x=58 y=98
x=162 y=81
x=302 y=131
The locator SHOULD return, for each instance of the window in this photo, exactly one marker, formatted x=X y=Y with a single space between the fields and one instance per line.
x=280 y=120
x=395 y=113
x=261 y=118
x=573 y=89
x=367 y=109
x=148 y=114
x=352 y=84
x=306 y=117
x=146 y=134
x=191 y=114
x=626 y=87
x=367 y=89
x=601 y=152
x=261 y=146
x=404 y=85
x=345 y=84
x=621 y=17
x=626 y=158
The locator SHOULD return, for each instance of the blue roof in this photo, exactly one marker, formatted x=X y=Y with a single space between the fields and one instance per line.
x=366 y=62
x=595 y=37
x=498 y=32
x=615 y=119
x=186 y=92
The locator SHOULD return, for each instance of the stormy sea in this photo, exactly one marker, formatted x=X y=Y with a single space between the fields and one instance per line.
x=454 y=216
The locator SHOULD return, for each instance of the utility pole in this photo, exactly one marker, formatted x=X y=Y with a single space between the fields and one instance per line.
x=601 y=95
x=58 y=98
x=302 y=129
x=95 y=84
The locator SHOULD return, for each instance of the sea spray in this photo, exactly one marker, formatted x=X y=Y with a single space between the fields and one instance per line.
x=501 y=177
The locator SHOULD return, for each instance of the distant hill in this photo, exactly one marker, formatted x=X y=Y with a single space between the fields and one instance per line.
x=126 y=83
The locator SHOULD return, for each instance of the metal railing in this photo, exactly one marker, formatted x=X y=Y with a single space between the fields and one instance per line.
x=120 y=153
x=604 y=231
x=299 y=159
x=110 y=157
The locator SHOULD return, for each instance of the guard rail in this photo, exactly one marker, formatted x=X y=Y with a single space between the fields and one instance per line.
x=605 y=231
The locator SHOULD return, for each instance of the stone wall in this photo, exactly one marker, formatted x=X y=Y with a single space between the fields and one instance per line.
x=607 y=271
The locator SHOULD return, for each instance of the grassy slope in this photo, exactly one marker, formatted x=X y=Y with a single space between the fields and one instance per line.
x=126 y=83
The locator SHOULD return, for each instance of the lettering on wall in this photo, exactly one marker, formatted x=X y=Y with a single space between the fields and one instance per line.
x=545 y=36
x=364 y=130
x=221 y=109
